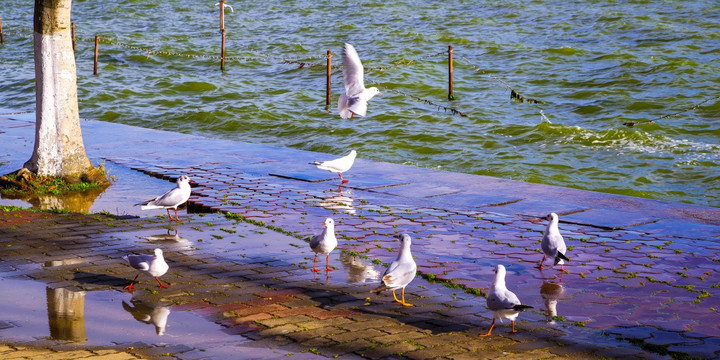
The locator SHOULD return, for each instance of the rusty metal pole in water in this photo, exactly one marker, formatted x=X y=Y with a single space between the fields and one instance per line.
x=222 y=52
x=222 y=32
x=2 y=38
x=329 y=72
x=73 y=34
x=222 y=14
x=97 y=44
x=451 y=96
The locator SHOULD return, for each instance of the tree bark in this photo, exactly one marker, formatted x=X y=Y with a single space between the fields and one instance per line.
x=59 y=150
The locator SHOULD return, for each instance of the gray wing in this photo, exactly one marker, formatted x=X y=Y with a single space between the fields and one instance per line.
x=140 y=262
x=315 y=241
x=399 y=274
x=357 y=105
x=352 y=73
x=553 y=243
x=170 y=198
x=503 y=300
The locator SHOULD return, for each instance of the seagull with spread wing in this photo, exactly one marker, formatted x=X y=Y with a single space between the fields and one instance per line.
x=354 y=100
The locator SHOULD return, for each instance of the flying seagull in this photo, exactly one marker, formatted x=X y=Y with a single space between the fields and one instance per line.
x=503 y=303
x=553 y=244
x=354 y=100
x=400 y=272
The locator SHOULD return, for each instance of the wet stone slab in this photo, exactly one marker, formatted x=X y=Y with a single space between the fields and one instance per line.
x=609 y=280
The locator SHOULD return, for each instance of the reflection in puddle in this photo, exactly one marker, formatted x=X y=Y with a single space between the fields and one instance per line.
x=66 y=314
x=551 y=293
x=357 y=270
x=73 y=201
x=148 y=312
x=340 y=201
x=171 y=237
x=117 y=199
x=62 y=262
x=32 y=311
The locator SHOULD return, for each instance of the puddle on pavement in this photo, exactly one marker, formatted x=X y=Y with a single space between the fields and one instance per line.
x=29 y=310
x=130 y=187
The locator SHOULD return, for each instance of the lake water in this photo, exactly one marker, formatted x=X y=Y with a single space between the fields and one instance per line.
x=595 y=65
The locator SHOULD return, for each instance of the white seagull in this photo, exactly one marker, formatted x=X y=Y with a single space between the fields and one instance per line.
x=171 y=199
x=503 y=303
x=400 y=272
x=553 y=244
x=324 y=243
x=339 y=165
x=354 y=100
x=154 y=265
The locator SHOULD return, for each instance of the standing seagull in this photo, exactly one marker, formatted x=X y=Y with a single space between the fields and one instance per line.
x=324 y=243
x=154 y=265
x=171 y=199
x=503 y=303
x=400 y=272
x=553 y=244
x=354 y=100
x=339 y=165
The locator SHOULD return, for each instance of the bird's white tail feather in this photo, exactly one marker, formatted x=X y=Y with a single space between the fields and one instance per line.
x=147 y=207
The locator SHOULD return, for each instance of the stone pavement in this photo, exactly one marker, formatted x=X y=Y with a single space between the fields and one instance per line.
x=642 y=282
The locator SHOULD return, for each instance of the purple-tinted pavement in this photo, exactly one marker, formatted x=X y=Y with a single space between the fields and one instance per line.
x=640 y=269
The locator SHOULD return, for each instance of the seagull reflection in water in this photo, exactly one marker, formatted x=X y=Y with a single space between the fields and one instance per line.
x=148 y=312
x=357 y=270
x=172 y=237
x=551 y=293
x=340 y=201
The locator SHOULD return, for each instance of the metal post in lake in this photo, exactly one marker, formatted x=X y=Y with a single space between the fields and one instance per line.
x=2 y=38
x=329 y=72
x=97 y=45
x=73 y=34
x=222 y=52
x=451 y=96
x=222 y=14
x=222 y=32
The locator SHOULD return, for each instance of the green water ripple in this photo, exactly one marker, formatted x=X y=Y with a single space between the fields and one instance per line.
x=593 y=64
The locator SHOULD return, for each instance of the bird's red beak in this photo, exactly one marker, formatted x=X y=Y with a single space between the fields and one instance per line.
x=324 y=224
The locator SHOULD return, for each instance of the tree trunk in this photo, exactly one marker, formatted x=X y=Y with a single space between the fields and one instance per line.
x=59 y=149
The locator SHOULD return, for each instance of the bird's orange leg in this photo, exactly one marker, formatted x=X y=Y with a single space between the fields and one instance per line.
x=131 y=287
x=489 y=330
x=161 y=284
x=513 y=328
x=540 y=265
x=315 y=269
x=327 y=263
x=343 y=181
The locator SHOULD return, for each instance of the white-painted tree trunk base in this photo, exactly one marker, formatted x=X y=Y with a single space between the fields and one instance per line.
x=59 y=149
